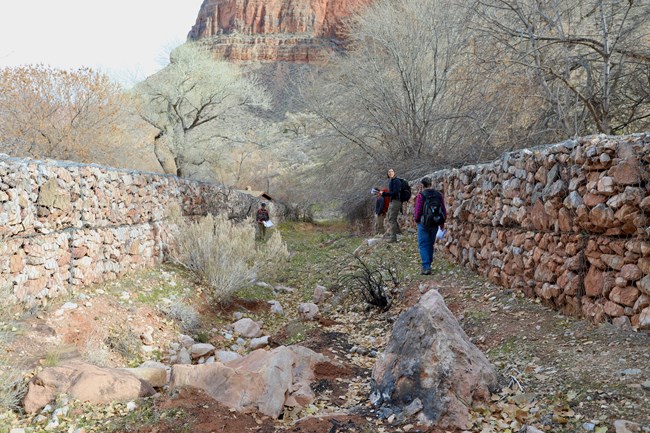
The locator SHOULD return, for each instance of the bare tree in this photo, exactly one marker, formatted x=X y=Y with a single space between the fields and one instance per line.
x=591 y=58
x=76 y=114
x=189 y=102
x=388 y=96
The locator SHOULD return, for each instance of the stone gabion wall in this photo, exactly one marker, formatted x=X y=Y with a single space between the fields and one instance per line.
x=65 y=224
x=568 y=223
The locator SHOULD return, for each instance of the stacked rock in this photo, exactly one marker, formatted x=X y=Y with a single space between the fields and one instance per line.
x=568 y=223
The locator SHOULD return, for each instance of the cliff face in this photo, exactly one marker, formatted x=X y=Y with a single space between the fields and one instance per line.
x=284 y=30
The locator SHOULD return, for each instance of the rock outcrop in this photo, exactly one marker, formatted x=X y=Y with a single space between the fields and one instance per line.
x=274 y=30
x=84 y=382
x=431 y=368
x=264 y=381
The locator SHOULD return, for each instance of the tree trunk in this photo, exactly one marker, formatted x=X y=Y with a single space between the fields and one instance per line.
x=163 y=153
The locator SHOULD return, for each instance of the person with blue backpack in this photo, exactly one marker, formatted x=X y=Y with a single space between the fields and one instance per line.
x=399 y=192
x=430 y=214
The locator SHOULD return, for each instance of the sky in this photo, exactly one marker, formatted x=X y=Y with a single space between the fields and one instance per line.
x=126 y=39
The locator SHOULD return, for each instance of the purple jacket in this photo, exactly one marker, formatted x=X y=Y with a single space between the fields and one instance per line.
x=419 y=204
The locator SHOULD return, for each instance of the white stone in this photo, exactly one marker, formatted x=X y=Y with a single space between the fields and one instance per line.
x=623 y=426
x=186 y=341
x=276 y=307
x=224 y=356
x=308 y=311
x=258 y=343
x=199 y=350
x=246 y=327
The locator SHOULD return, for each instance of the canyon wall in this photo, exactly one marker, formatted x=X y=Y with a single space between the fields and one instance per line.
x=66 y=225
x=567 y=223
x=272 y=30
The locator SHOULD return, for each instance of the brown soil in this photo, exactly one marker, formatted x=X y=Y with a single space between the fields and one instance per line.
x=201 y=414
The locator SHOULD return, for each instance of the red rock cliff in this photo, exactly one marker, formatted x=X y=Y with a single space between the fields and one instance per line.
x=289 y=30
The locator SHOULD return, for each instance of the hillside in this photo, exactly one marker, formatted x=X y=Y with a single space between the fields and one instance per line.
x=558 y=374
x=272 y=30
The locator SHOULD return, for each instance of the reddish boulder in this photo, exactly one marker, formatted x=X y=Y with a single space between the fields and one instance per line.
x=539 y=216
x=263 y=380
x=644 y=284
x=83 y=382
x=626 y=173
x=602 y=217
x=594 y=282
x=644 y=319
x=631 y=272
x=613 y=309
x=624 y=295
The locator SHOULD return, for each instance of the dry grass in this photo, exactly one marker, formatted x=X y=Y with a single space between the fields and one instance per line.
x=225 y=255
x=271 y=255
x=13 y=386
x=96 y=351
x=186 y=315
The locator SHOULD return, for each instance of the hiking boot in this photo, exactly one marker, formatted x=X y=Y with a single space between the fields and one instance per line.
x=425 y=272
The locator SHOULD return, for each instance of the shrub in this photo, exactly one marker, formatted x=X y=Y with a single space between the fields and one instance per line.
x=271 y=254
x=224 y=253
x=373 y=281
x=185 y=314
x=95 y=350
x=122 y=340
x=13 y=387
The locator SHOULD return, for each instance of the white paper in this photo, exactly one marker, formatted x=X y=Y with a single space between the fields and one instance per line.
x=441 y=233
x=268 y=223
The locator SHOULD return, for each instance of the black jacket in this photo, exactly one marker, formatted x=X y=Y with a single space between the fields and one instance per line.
x=394 y=187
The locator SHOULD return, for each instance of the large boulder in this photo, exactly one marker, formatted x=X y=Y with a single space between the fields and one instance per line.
x=262 y=381
x=431 y=368
x=83 y=382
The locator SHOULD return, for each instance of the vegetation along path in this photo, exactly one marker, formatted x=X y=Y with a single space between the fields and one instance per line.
x=558 y=374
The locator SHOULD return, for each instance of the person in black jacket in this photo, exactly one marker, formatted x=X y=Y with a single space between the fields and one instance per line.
x=427 y=235
x=395 y=207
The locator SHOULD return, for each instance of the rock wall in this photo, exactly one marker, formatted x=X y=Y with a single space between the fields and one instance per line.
x=64 y=225
x=568 y=223
x=275 y=30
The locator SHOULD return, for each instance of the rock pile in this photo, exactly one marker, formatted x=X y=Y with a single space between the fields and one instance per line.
x=64 y=224
x=264 y=380
x=568 y=223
